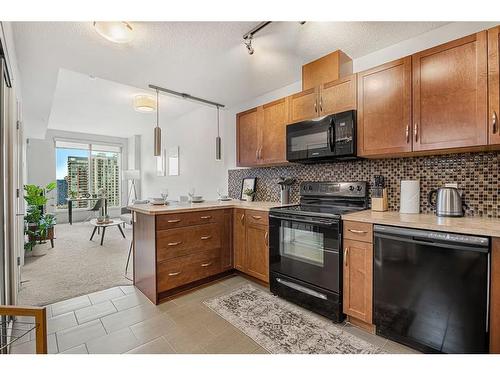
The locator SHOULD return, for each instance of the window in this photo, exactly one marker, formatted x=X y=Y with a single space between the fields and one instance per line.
x=87 y=169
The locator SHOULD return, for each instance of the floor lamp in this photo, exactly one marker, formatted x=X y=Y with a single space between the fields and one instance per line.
x=132 y=175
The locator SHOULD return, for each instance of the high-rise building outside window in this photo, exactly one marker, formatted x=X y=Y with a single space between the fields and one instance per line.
x=87 y=169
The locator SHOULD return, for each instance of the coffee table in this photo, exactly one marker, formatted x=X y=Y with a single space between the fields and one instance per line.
x=114 y=223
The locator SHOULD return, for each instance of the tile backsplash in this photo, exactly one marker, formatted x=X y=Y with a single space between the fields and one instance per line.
x=476 y=174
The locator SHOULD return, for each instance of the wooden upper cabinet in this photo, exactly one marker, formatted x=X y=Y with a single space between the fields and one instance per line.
x=304 y=105
x=273 y=132
x=326 y=69
x=338 y=96
x=384 y=109
x=494 y=85
x=450 y=94
x=247 y=138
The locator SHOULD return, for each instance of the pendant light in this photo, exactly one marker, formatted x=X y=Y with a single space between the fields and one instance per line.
x=218 y=145
x=157 y=130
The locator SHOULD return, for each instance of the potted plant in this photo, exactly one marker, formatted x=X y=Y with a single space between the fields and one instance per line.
x=249 y=194
x=39 y=225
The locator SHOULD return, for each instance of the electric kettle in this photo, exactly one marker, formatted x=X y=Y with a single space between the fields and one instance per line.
x=449 y=201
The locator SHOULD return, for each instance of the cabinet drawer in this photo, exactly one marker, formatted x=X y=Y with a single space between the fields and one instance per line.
x=173 y=243
x=257 y=217
x=183 y=270
x=354 y=230
x=188 y=218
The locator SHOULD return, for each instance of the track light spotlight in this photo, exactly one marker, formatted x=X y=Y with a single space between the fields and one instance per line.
x=248 y=44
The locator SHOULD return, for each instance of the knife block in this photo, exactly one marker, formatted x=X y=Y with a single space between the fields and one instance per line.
x=379 y=200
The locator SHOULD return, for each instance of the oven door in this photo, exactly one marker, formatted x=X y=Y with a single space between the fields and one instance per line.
x=310 y=140
x=306 y=250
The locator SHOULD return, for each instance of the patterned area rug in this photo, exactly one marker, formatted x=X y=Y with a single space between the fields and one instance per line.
x=282 y=327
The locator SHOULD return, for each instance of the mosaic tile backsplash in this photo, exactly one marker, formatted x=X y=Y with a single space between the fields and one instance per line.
x=476 y=174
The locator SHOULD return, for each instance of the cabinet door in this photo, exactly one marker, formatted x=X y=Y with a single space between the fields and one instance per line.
x=358 y=280
x=273 y=132
x=247 y=138
x=384 y=109
x=338 y=96
x=304 y=106
x=494 y=85
x=227 y=241
x=239 y=242
x=257 y=251
x=450 y=95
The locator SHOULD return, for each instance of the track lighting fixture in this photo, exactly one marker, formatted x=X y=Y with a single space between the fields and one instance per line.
x=248 y=44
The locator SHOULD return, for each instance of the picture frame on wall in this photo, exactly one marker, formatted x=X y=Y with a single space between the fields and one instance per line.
x=248 y=183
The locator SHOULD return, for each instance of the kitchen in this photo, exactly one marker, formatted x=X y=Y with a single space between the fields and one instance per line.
x=424 y=120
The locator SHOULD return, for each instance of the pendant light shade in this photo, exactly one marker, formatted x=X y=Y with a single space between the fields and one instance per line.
x=218 y=141
x=144 y=103
x=157 y=130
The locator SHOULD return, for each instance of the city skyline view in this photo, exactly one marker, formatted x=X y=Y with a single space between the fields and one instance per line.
x=76 y=172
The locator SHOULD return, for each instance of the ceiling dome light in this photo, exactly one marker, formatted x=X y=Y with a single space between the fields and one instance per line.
x=116 y=32
x=144 y=103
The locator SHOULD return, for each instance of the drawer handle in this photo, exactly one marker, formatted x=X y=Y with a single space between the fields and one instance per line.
x=242 y=218
x=358 y=231
x=206 y=264
x=174 y=243
x=346 y=254
x=174 y=221
x=206 y=217
x=206 y=237
x=257 y=217
x=266 y=238
x=174 y=273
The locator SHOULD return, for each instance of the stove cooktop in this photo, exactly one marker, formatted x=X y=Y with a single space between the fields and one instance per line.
x=323 y=211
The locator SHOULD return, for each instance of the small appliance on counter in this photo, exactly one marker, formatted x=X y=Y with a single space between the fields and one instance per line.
x=379 y=195
x=327 y=138
x=410 y=197
x=285 y=186
x=305 y=245
x=449 y=201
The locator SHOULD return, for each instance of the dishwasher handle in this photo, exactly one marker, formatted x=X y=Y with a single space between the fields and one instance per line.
x=427 y=242
x=434 y=237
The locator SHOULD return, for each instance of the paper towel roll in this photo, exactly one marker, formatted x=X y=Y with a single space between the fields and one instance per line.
x=410 y=197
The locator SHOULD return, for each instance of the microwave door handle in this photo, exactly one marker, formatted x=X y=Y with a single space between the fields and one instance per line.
x=331 y=136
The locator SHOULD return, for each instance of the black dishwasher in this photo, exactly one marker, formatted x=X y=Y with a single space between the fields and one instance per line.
x=431 y=289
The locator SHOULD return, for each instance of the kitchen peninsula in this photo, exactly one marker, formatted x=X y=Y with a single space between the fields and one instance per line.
x=179 y=246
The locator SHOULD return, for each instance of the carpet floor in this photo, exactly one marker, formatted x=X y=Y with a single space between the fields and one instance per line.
x=75 y=266
x=282 y=327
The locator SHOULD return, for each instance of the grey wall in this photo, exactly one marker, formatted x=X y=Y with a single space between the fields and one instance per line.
x=41 y=165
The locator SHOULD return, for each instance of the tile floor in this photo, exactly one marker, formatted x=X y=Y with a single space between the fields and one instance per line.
x=123 y=320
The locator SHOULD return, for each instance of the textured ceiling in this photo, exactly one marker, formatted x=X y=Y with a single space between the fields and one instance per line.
x=204 y=59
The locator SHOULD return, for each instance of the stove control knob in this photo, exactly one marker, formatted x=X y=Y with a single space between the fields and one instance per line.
x=351 y=188
x=359 y=188
x=310 y=187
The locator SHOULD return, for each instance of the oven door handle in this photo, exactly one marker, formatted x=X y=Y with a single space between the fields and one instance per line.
x=334 y=222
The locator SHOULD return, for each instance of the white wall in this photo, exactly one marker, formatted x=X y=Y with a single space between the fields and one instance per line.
x=41 y=165
x=195 y=134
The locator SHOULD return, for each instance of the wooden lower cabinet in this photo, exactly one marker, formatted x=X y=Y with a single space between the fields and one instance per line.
x=257 y=251
x=251 y=243
x=358 y=280
x=239 y=244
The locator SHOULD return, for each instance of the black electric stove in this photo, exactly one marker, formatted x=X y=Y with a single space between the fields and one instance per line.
x=305 y=245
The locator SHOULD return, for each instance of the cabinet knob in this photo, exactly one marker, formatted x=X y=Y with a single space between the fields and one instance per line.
x=174 y=243
x=174 y=221
x=415 y=131
x=408 y=133
x=257 y=217
x=357 y=231
x=316 y=106
x=206 y=217
x=266 y=238
x=174 y=273
x=206 y=264
x=242 y=218
x=205 y=237
x=346 y=254
x=321 y=104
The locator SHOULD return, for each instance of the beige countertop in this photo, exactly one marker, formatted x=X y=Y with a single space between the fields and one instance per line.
x=150 y=209
x=480 y=226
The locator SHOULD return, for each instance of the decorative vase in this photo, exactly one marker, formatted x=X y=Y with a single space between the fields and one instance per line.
x=39 y=250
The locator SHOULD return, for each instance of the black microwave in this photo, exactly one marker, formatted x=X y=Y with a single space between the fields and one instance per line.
x=328 y=138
